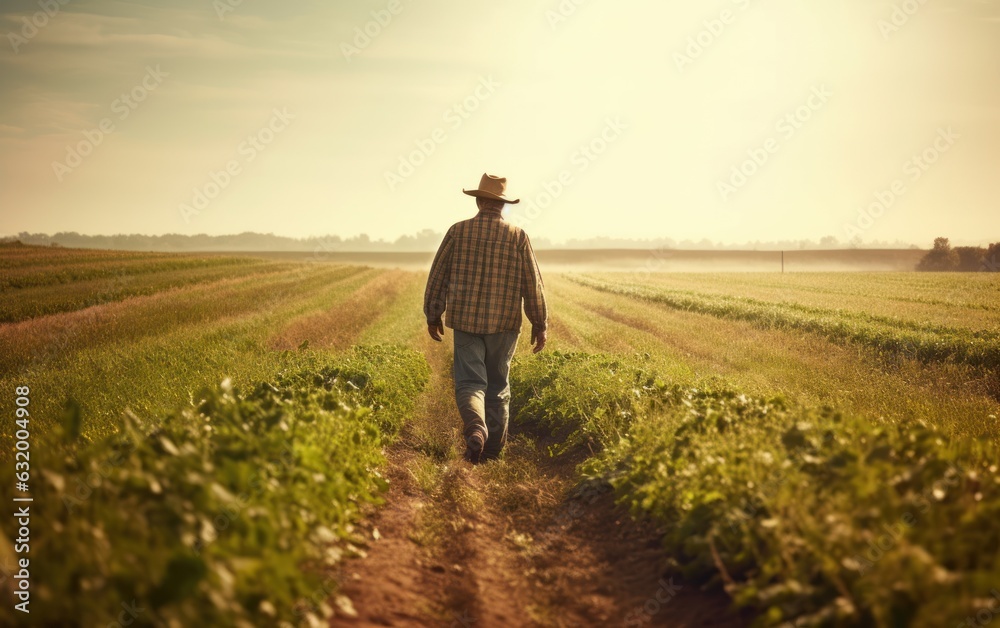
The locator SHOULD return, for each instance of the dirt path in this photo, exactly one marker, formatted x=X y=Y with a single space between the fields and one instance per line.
x=514 y=542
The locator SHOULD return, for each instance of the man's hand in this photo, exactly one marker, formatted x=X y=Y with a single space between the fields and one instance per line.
x=435 y=330
x=538 y=339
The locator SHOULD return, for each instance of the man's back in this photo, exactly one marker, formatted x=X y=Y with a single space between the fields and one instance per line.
x=483 y=269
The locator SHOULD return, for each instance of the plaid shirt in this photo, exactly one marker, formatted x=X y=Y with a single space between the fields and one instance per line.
x=483 y=269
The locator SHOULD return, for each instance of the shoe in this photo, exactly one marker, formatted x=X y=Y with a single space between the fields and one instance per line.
x=486 y=457
x=474 y=448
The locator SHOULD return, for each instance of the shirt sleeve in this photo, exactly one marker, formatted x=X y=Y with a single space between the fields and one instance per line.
x=532 y=288
x=436 y=294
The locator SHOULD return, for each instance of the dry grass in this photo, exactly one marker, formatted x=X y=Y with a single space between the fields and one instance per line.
x=963 y=300
x=339 y=326
x=687 y=346
x=50 y=337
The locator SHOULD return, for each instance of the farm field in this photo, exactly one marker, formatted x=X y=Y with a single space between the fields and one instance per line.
x=257 y=440
x=662 y=260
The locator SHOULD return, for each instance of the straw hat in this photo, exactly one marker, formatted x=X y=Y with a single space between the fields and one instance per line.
x=492 y=187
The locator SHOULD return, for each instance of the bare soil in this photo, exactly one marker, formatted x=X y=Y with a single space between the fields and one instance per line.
x=514 y=542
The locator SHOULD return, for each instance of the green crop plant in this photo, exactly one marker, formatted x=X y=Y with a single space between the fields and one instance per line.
x=224 y=511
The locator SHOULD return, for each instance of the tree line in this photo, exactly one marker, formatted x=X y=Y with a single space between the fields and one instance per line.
x=426 y=240
x=944 y=257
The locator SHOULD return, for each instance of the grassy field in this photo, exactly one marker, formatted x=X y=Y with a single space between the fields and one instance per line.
x=810 y=448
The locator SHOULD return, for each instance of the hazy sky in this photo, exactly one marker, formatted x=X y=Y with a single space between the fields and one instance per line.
x=733 y=121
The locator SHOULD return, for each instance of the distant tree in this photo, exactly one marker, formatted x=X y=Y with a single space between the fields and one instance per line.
x=970 y=258
x=424 y=240
x=991 y=259
x=941 y=258
x=828 y=242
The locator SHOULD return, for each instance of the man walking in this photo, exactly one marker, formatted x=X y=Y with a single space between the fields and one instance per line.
x=483 y=270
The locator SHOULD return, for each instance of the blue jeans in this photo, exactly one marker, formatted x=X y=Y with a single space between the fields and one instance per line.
x=482 y=387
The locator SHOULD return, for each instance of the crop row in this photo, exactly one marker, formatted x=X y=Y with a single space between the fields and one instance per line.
x=922 y=341
x=32 y=276
x=802 y=515
x=19 y=255
x=158 y=354
x=25 y=343
x=226 y=511
x=971 y=300
x=52 y=299
x=976 y=291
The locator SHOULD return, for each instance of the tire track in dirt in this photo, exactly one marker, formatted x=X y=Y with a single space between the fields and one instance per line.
x=516 y=542
x=427 y=568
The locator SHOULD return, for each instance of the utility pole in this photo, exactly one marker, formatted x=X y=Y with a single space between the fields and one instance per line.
x=782 y=262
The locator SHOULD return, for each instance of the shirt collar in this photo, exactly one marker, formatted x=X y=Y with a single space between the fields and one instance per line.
x=490 y=213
